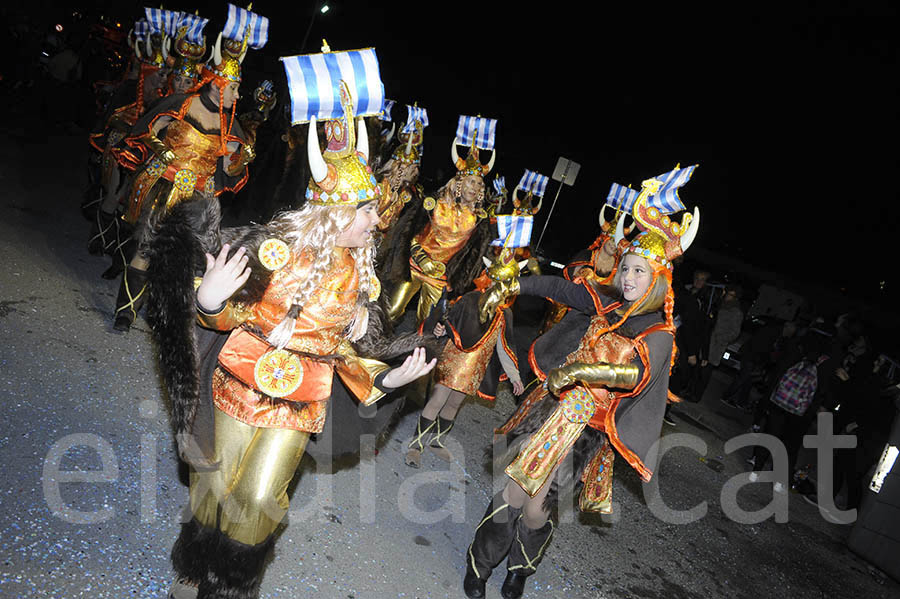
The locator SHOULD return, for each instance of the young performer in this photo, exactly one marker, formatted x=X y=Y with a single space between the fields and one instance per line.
x=472 y=360
x=293 y=318
x=439 y=246
x=612 y=392
x=195 y=144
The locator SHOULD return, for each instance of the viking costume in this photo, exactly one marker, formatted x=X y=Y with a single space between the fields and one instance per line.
x=129 y=102
x=190 y=48
x=288 y=356
x=399 y=178
x=478 y=354
x=186 y=159
x=440 y=246
x=596 y=262
x=612 y=391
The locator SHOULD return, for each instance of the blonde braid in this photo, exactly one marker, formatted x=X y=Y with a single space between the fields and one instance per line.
x=317 y=228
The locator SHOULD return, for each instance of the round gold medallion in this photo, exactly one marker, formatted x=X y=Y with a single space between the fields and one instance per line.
x=429 y=203
x=278 y=373
x=274 y=253
x=577 y=405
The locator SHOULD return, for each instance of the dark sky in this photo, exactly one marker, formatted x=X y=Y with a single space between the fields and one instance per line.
x=792 y=118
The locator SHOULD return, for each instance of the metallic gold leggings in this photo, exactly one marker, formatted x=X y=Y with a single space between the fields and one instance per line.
x=246 y=497
x=404 y=292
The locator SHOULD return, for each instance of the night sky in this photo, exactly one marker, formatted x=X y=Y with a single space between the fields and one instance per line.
x=792 y=118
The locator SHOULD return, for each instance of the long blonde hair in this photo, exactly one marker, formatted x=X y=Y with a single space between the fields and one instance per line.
x=316 y=228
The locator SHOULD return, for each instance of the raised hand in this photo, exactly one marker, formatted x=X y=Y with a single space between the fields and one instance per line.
x=412 y=368
x=222 y=278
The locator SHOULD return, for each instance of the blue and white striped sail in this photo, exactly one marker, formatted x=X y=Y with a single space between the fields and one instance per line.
x=194 y=24
x=499 y=184
x=518 y=226
x=534 y=182
x=141 y=29
x=414 y=113
x=313 y=83
x=481 y=129
x=621 y=197
x=238 y=21
x=162 y=20
x=385 y=114
x=666 y=199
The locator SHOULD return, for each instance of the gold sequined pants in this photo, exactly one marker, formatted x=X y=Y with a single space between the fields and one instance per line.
x=428 y=297
x=246 y=498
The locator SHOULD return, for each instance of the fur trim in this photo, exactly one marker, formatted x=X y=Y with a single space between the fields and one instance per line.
x=466 y=264
x=191 y=552
x=175 y=252
x=249 y=237
x=235 y=569
x=380 y=343
x=395 y=267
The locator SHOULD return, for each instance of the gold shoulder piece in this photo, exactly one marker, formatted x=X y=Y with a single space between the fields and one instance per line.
x=274 y=254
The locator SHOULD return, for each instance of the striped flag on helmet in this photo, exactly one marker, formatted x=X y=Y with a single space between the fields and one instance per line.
x=534 y=182
x=621 y=197
x=194 y=24
x=141 y=29
x=414 y=113
x=160 y=20
x=516 y=228
x=499 y=184
x=385 y=114
x=482 y=130
x=238 y=21
x=313 y=83
x=666 y=199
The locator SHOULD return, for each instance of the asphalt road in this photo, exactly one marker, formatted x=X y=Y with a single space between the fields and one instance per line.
x=92 y=491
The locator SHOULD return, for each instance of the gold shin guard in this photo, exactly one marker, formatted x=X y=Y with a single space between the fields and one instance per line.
x=246 y=497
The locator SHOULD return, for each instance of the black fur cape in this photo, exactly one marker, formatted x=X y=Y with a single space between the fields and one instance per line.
x=187 y=353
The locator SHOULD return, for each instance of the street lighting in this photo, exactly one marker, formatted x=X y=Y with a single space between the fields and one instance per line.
x=324 y=8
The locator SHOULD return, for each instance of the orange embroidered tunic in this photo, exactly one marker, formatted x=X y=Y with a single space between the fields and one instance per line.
x=318 y=334
x=194 y=167
x=390 y=204
x=450 y=228
x=635 y=415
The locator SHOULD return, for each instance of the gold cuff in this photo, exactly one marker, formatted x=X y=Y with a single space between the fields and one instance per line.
x=619 y=376
x=158 y=147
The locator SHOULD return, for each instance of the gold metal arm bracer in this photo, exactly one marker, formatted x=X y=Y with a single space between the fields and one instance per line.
x=158 y=147
x=619 y=376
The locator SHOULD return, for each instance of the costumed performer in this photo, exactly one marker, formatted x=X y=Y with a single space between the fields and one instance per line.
x=142 y=87
x=612 y=393
x=600 y=258
x=439 y=245
x=196 y=145
x=472 y=360
x=292 y=323
x=400 y=174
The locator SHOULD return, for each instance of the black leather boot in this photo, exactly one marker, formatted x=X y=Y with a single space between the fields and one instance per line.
x=526 y=553
x=436 y=445
x=132 y=293
x=493 y=537
x=424 y=428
